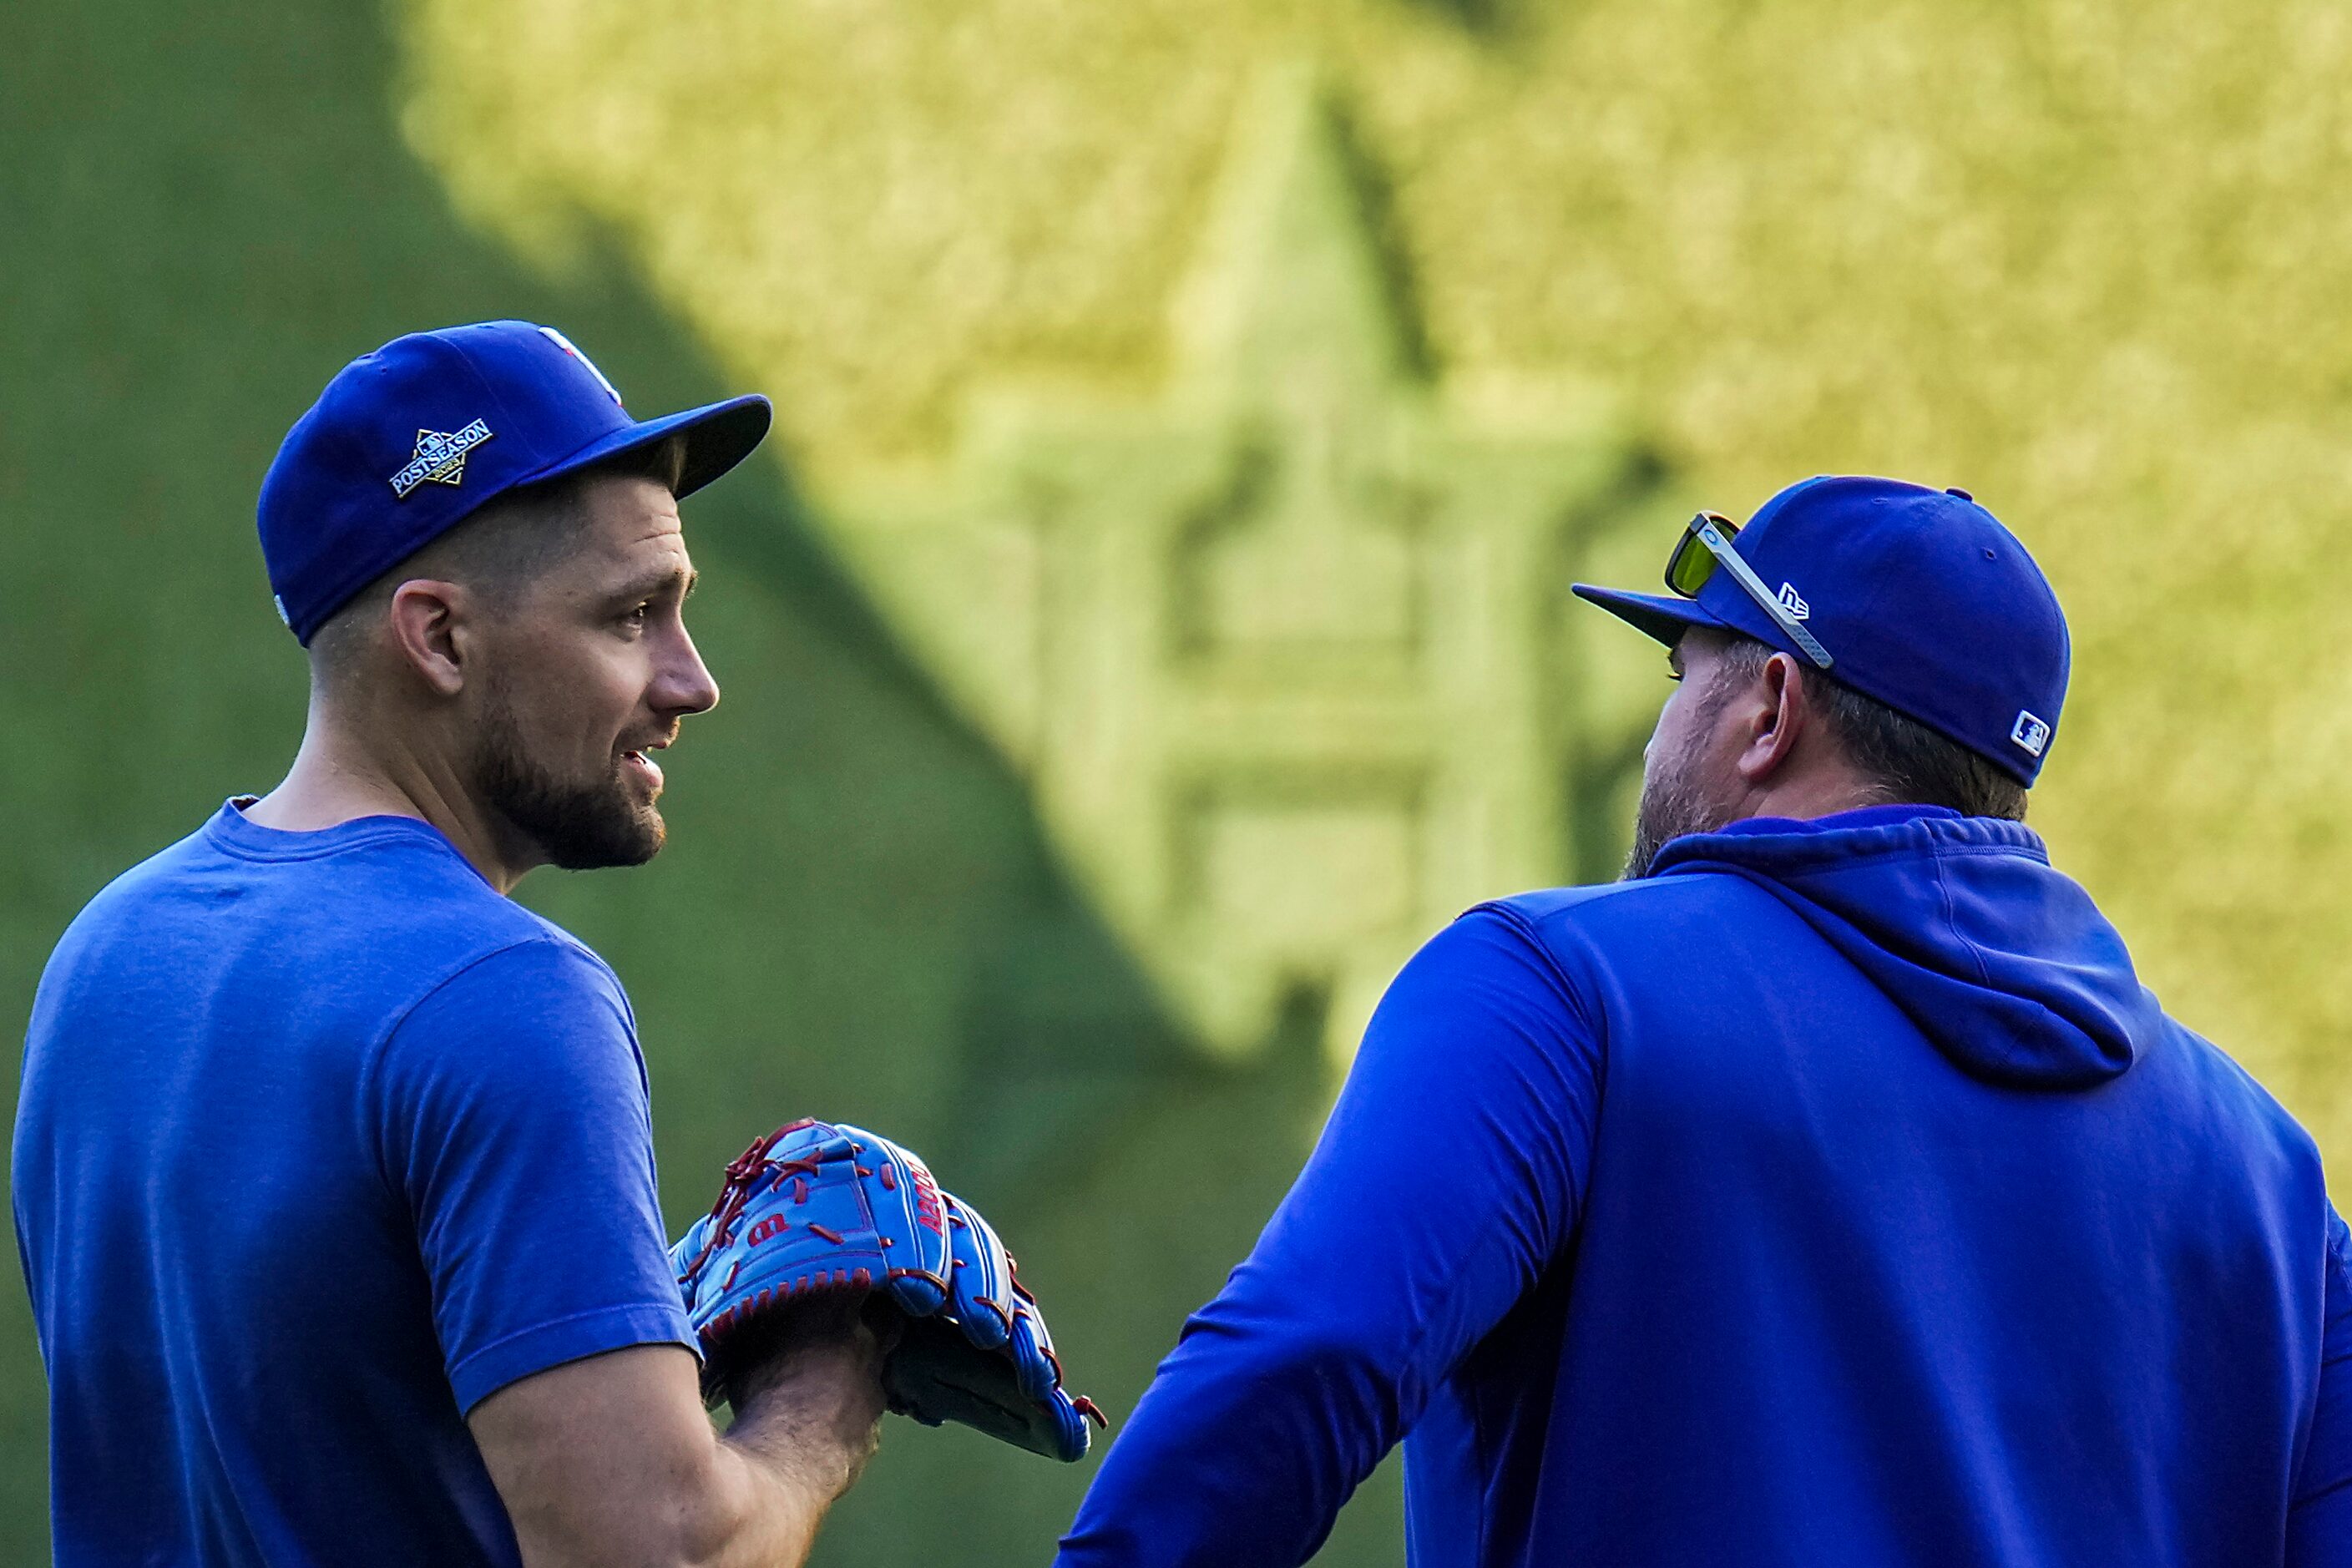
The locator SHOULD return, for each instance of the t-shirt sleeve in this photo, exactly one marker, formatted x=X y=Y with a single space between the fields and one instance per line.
x=1447 y=1178
x=2319 y=1525
x=512 y=1117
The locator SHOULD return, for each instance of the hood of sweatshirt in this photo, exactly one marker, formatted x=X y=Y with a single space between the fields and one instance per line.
x=1999 y=959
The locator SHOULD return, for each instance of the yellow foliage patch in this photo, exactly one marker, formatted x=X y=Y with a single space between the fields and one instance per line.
x=2087 y=259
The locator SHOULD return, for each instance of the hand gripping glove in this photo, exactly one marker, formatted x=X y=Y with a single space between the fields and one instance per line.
x=815 y=1206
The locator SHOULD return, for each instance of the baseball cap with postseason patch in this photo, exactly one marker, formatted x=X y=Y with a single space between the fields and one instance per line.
x=409 y=441
x=1915 y=597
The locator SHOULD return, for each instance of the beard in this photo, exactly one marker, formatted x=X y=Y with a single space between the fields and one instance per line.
x=1675 y=799
x=580 y=826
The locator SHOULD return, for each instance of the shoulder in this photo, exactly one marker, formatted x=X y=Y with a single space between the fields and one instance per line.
x=417 y=926
x=389 y=902
x=539 y=1022
x=541 y=979
x=121 y=900
x=1553 y=952
x=1620 y=917
x=2241 y=1112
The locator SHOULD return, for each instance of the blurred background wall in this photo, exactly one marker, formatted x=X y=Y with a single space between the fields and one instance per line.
x=1147 y=622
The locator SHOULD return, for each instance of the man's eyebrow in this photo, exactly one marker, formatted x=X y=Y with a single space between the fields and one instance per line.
x=653 y=583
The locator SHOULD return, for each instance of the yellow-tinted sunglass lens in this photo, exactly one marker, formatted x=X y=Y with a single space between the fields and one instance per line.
x=1692 y=562
x=1688 y=572
x=1689 y=567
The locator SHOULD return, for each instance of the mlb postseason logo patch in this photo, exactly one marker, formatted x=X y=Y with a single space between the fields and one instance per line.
x=2029 y=733
x=440 y=457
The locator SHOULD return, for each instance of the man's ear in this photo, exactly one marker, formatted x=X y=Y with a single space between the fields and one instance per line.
x=427 y=620
x=1780 y=715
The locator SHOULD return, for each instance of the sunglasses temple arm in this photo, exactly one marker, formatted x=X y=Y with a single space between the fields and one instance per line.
x=1721 y=549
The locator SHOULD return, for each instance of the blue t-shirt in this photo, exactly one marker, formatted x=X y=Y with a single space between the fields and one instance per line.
x=321 y=1141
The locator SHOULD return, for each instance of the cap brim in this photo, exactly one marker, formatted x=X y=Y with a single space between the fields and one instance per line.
x=717 y=436
x=1663 y=618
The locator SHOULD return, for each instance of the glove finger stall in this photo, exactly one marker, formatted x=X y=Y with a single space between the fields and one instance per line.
x=911 y=1213
x=983 y=1276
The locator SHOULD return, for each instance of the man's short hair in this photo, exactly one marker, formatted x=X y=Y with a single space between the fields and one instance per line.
x=523 y=532
x=1908 y=762
x=500 y=548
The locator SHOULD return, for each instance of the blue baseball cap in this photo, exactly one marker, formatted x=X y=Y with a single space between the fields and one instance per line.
x=1918 y=597
x=409 y=441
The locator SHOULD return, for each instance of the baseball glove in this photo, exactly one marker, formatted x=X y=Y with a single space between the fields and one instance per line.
x=815 y=1206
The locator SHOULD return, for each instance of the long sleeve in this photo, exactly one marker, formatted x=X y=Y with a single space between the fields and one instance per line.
x=2319 y=1525
x=1448 y=1175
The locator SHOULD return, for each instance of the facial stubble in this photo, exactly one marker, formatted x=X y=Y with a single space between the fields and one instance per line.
x=1674 y=797
x=579 y=826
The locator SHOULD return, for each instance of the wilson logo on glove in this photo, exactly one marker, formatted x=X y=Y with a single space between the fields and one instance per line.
x=819 y=1206
x=928 y=1208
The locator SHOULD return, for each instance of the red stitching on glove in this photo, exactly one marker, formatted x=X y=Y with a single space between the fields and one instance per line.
x=732 y=1196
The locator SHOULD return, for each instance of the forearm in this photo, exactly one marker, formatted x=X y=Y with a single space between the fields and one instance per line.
x=1256 y=1430
x=612 y=1461
x=795 y=1447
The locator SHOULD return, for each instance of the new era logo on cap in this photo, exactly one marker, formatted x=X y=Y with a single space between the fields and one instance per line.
x=2029 y=733
x=1926 y=602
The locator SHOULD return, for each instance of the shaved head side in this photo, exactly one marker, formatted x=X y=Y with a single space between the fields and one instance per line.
x=498 y=553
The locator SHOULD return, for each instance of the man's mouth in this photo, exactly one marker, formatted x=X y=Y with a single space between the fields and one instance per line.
x=642 y=765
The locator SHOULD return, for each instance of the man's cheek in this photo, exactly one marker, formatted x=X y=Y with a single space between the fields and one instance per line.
x=1655 y=745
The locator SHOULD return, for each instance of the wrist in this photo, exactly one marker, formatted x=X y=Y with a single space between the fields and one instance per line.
x=808 y=1392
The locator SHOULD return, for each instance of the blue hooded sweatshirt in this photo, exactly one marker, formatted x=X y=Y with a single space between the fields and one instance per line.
x=1835 y=1196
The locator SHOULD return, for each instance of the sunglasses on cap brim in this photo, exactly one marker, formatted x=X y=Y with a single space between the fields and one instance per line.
x=1704 y=545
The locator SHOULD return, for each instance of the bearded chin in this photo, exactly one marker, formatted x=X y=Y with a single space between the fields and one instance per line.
x=1673 y=803
x=578 y=827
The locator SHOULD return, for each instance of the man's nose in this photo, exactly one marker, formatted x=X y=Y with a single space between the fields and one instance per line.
x=687 y=685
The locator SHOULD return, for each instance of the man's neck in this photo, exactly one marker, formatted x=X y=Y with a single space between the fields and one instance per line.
x=335 y=780
x=1815 y=792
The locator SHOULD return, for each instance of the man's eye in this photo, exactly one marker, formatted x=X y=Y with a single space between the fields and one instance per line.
x=636 y=618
